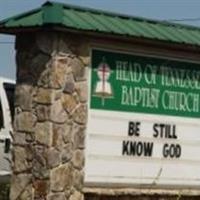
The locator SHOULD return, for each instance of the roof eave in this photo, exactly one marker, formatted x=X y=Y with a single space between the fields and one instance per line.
x=58 y=27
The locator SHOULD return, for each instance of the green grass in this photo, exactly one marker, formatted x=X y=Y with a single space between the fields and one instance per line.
x=4 y=191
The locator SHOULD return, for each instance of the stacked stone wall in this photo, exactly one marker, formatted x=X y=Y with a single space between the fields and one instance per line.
x=50 y=117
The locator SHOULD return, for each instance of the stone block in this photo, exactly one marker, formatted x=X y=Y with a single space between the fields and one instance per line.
x=76 y=196
x=78 y=159
x=39 y=171
x=43 y=112
x=30 y=137
x=19 y=138
x=69 y=102
x=23 y=96
x=78 y=179
x=53 y=158
x=78 y=136
x=25 y=122
x=56 y=76
x=40 y=188
x=27 y=193
x=39 y=168
x=20 y=156
x=40 y=154
x=80 y=114
x=82 y=90
x=57 y=196
x=66 y=153
x=20 y=184
x=44 y=133
x=70 y=84
x=86 y=60
x=67 y=133
x=69 y=87
x=45 y=96
x=58 y=114
x=61 y=178
x=78 y=69
x=57 y=141
x=62 y=134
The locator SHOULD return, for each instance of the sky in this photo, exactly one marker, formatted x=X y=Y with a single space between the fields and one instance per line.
x=181 y=11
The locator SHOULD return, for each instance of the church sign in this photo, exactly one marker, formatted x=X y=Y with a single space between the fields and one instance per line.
x=143 y=126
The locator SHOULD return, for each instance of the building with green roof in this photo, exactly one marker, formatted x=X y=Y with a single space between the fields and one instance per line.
x=107 y=106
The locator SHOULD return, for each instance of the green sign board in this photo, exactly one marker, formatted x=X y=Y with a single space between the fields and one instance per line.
x=143 y=84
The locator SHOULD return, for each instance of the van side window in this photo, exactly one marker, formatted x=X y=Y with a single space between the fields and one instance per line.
x=10 y=91
x=1 y=116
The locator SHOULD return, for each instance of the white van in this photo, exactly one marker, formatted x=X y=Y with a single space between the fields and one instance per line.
x=7 y=88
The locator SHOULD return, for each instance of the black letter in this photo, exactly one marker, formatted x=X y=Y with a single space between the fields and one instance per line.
x=132 y=148
x=178 y=151
x=155 y=130
x=125 y=148
x=139 y=148
x=174 y=132
x=148 y=148
x=165 y=151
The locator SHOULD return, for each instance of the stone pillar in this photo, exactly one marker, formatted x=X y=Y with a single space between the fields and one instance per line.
x=50 y=117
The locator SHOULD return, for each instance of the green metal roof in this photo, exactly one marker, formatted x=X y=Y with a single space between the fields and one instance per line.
x=78 y=18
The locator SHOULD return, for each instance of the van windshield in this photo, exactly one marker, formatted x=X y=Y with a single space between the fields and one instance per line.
x=10 y=90
x=1 y=116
